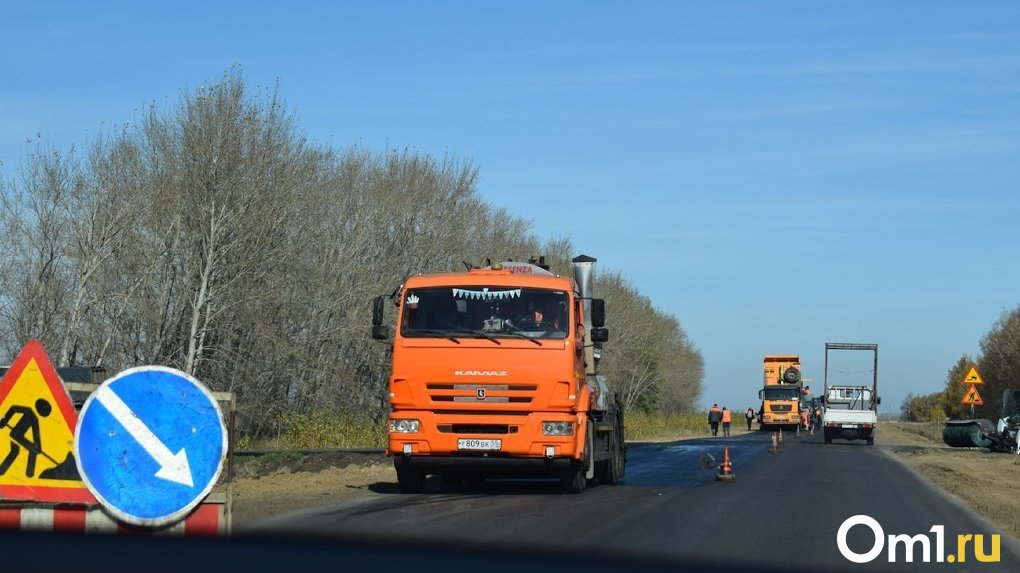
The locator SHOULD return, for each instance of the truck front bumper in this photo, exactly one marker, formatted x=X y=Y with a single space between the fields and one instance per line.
x=489 y=465
x=486 y=440
x=780 y=420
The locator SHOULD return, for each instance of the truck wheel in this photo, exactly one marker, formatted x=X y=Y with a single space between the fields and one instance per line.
x=409 y=480
x=828 y=437
x=611 y=471
x=871 y=441
x=574 y=481
x=620 y=458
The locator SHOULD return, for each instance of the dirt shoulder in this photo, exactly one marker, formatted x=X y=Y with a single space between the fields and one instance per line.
x=985 y=481
x=274 y=484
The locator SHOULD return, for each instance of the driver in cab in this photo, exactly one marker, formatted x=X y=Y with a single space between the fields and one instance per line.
x=546 y=315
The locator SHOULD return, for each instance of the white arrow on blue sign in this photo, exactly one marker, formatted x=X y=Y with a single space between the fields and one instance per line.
x=150 y=444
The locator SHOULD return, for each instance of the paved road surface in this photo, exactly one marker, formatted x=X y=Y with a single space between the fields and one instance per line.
x=782 y=509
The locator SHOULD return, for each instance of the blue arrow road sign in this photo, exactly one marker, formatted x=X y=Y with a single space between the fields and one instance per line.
x=150 y=444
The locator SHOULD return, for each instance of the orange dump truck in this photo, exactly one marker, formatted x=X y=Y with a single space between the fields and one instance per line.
x=495 y=375
x=782 y=392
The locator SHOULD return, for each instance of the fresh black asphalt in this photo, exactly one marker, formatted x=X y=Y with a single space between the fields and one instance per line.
x=781 y=512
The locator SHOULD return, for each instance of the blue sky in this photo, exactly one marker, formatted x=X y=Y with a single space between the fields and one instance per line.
x=775 y=174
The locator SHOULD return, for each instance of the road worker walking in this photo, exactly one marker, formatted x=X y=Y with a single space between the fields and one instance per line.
x=714 y=417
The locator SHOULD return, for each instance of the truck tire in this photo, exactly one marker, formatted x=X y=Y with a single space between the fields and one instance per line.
x=611 y=471
x=620 y=458
x=871 y=441
x=574 y=480
x=828 y=437
x=409 y=480
x=791 y=375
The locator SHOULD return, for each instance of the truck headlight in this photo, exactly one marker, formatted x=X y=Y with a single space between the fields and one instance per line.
x=557 y=428
x=404 y=426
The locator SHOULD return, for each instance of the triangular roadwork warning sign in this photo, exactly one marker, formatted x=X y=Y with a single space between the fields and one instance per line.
x=973 y=377
x=37 y=421
x=971 y=396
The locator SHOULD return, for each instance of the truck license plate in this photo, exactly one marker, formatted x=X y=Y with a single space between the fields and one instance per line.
x=850 y=426
x=472 y=444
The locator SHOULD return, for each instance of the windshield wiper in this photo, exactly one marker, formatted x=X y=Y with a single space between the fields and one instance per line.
x=476 y=333
x=442 y=333
x=520 y=334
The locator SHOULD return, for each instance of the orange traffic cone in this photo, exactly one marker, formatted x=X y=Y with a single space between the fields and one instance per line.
x=726 y=469
x=780 y=440
x=774 y=448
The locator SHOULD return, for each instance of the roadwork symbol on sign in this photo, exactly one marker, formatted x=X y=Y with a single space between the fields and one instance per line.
x=971 y=396
x=973 y=377
x=37 y=421
x=150 y=444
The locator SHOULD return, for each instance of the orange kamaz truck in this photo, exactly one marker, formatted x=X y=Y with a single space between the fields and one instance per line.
x=495 y=374
x=782 y=393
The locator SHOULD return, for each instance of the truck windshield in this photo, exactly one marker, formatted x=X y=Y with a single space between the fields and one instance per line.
x=781 y=394
x=494 y=311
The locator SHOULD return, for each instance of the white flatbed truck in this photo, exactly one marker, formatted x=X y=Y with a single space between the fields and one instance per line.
x=851 y=410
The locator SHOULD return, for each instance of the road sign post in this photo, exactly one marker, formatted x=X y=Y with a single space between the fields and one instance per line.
x=150 y=444
x=971 y=396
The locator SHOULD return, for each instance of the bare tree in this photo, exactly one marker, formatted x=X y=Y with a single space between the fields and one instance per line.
x=212 y=237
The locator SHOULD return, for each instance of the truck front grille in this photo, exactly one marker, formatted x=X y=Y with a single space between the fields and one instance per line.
x=482 y=393
x=780 y=407
x=477 y=429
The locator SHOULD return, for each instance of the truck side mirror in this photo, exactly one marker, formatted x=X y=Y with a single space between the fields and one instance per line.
x=598 y=312
x=879 y=400
x=600 y=335
x=380 y=331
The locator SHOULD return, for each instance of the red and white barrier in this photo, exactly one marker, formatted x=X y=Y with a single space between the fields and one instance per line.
x=208 y=519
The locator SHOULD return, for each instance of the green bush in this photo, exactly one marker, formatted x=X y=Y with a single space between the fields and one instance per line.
x=328 y=430
x=645 y=426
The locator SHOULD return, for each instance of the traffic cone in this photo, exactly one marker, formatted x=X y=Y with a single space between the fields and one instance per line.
x=774 y=448
x=797 y=435
x=780 y=440
x=726 y=469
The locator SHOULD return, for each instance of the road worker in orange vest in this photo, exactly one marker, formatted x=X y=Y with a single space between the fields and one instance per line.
x=714 y=416
x=803 y=419
x=726 y=419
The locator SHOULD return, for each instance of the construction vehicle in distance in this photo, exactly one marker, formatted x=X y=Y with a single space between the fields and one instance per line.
x=851 y=410
x=1003 y=436
x=782 y=393
x=495 y=374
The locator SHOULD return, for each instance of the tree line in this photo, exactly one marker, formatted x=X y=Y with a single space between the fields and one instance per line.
x=214 y=237
x=999 y=366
